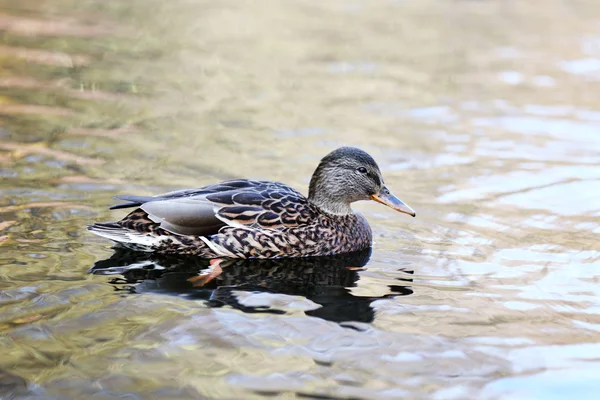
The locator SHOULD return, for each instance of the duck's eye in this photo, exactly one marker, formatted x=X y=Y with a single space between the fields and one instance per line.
x=362 y=170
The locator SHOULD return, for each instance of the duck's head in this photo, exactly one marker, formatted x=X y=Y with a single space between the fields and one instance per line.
x=347 y=175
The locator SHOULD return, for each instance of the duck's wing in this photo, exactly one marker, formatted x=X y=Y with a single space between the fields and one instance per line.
x=238 y=203
x=241 y=184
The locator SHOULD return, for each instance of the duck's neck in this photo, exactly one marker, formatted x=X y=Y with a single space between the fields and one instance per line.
x=330 y=206
x=322 y=194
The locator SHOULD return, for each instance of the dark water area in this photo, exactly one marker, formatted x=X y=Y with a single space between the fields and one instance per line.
x=484 y=116
x=324 y=281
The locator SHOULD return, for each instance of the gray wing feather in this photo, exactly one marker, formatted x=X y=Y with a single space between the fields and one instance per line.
x=185 y=216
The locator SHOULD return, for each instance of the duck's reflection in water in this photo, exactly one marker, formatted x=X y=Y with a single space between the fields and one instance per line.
x=323 y=280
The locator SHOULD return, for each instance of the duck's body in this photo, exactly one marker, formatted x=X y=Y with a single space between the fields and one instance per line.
x=258 y=219
x=239 y=218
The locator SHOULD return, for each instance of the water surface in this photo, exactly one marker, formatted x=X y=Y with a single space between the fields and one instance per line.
x=483 y=116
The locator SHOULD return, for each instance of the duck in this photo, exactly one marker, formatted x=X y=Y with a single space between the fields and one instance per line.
x=245 y=218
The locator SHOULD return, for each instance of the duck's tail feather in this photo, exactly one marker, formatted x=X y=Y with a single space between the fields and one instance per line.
x=127 y=237
x=134 y=201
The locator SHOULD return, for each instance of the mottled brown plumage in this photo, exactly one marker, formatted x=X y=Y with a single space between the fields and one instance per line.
x=259 y=219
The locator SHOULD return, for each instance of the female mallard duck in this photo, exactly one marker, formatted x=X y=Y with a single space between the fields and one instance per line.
x=259 y=219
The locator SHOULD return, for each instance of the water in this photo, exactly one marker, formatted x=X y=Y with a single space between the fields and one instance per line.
x=483 y=116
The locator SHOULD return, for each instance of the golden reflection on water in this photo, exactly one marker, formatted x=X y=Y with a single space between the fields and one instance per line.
x=482 y=114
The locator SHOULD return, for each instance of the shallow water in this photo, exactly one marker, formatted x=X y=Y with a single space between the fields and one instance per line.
x=483 y=115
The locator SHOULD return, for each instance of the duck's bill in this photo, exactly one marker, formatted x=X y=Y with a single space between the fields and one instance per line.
x=386 y=197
